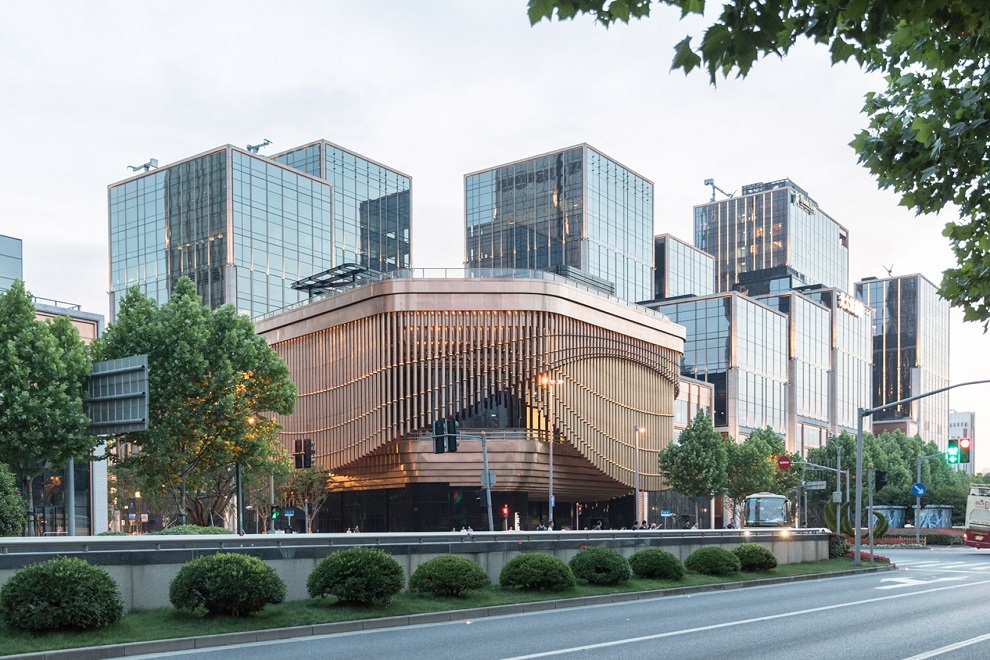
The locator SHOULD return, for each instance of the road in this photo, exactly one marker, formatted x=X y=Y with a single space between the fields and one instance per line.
x=933 y=606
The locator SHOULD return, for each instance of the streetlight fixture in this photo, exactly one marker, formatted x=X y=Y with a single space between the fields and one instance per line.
x=548 y=383
x=636 y=431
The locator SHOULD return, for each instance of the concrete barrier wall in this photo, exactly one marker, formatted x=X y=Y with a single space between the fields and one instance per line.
x=144 y=566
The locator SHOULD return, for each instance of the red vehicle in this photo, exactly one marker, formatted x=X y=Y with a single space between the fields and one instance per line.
x=977 y=534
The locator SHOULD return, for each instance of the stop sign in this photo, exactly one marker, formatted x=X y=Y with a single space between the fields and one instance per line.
x=784 y=462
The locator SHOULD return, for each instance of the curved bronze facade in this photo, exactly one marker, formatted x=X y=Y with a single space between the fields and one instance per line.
x=375 y=365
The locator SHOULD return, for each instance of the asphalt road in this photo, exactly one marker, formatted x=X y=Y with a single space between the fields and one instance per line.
x=935 y=605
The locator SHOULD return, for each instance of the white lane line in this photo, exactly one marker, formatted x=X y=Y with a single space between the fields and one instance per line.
x=951 y=647
x=741 y=622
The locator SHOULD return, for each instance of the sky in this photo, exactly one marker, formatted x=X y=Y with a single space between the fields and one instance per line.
x=435 y=89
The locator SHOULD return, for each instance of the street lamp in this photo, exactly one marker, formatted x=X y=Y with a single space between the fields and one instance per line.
x=636 y=431
x=548 y=383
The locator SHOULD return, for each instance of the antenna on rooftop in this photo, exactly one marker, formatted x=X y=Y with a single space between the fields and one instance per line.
x=253 y=148
x=711 y=182
x=152 y=162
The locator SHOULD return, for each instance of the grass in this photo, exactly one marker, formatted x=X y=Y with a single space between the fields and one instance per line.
x=146 y=625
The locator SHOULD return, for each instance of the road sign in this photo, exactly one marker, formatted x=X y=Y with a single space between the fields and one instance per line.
x=919 y=490
x=665 y=513
x=814 y=485
x=784 y=462
x=487 y=478
x=288 y=513
x=117 y=396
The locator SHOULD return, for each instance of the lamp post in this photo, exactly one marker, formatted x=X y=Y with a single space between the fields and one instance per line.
x=636 y=431
x=549 y=382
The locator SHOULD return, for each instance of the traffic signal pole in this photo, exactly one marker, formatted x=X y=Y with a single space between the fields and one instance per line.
x=445 y=438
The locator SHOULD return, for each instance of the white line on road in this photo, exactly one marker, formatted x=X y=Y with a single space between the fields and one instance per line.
x=912 y=582
x=741 y=622
x=950 y=647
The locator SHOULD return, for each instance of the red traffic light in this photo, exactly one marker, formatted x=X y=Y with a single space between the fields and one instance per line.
x=964 y=443
x=505 y=510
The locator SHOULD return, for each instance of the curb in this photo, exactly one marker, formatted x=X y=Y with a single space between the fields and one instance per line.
x=274 y=634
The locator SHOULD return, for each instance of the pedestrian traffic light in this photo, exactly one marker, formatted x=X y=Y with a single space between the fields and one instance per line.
x=451 y=427
x=275 y=512
x=952 y=456
x=309 y=453
x=965 y=444
x=439 y=436
x=505 y=511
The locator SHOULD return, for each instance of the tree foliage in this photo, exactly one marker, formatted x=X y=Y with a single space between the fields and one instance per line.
x=11 y=505
x=696 y=465
x=928 y=136
x=43 y=370
x=211 y=381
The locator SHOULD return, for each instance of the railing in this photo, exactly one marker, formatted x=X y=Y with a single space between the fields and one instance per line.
x=465 y=274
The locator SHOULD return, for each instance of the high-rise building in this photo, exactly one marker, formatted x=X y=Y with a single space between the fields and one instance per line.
x=963 y=425
x=772 y=238
x=244 y=227
x=910 y=354
x=680 y=269
x=11 y=261
x=575 y=212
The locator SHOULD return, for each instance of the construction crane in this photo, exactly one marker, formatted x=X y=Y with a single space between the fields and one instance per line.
x=711 y=182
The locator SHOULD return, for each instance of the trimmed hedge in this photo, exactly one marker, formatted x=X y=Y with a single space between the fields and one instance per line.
x=64 y=593
x=656 y=564
x=448 y=575
x=536 y=571
x=838 y=546
x=357 y=575
x=755 y=557
x=712 y=560
x=226 y=583
x=601 y=565
x=191 y=529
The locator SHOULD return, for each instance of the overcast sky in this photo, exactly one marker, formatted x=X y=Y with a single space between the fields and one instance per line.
x=435 y=89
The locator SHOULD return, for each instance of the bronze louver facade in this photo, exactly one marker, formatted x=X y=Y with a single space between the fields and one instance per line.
x=376 y=365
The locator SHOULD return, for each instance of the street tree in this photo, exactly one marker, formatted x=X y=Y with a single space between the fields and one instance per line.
x=12 y=505
x=213 y=385
x=309 y=485
x=695 y=465
x=752 y=466
x=266 y=487
x=928 y=134
x=43 y=370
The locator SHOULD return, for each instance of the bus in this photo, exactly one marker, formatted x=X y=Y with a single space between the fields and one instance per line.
x=766 y=510
x=977 y=534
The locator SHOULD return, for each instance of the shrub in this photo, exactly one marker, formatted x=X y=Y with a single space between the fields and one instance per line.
x=537 y=571
x=12 y=507
x=940 y=538
x=600 y=564
x=226 y=583
x=656 y=564
x=357 y=575
x=448 y=575
x=111 y=533
x=192 y=529
x=712 y=560
x=837 y=546
x=755 y=557
x=61 y=593
x=865 y=556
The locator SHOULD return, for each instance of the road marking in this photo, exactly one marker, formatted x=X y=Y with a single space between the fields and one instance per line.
x=950 y=647
x=912 y=582
x=741 y=622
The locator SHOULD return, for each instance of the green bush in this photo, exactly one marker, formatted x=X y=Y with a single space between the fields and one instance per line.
x=656 y=564
x=600 y=564
x=357 y=575
x=61 y=593
x=942 y=539
x=448 y=575
x=110 y=533
x=226 y=583
x=191 y=529
x=537 y=571
x=755 y=557
x=712 y=560
x=838 y=546
x=12 y=506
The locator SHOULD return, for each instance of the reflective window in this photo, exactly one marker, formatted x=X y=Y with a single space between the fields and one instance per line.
x=11 y=261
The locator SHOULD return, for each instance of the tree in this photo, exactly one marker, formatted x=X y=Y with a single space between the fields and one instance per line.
x=12 y=506
x=43 y=369
x=928 y=136
x=310 y=487
x=696 y=464
x=211 y=380
x=752 y=466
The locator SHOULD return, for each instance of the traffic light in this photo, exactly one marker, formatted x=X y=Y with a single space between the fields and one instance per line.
x=505 y=510
x=965 y=444
x=439 y=436
x=275 y=512
x=451 y=434
x=309 y=453
x=952 y=456
x=297 y=455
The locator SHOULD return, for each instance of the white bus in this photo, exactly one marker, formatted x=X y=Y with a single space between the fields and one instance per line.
x=977 y=534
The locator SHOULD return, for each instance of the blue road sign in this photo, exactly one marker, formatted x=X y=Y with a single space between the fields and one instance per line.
x=919 y=490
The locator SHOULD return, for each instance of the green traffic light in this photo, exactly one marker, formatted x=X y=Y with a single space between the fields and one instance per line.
x=952 y=455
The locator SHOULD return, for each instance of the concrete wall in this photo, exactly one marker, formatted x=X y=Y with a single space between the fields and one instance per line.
x=144 y=566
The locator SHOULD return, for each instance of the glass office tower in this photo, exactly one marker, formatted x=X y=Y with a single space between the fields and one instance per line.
x=574 y=212
x=772 y=238
x=372 y=212
x=242 y=226
x=681 y=269
x=739 y=346
x=11 y=261
x=910 y=354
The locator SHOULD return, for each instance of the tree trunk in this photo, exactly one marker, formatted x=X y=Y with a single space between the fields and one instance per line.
x=182 y=500
x=27 y=487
